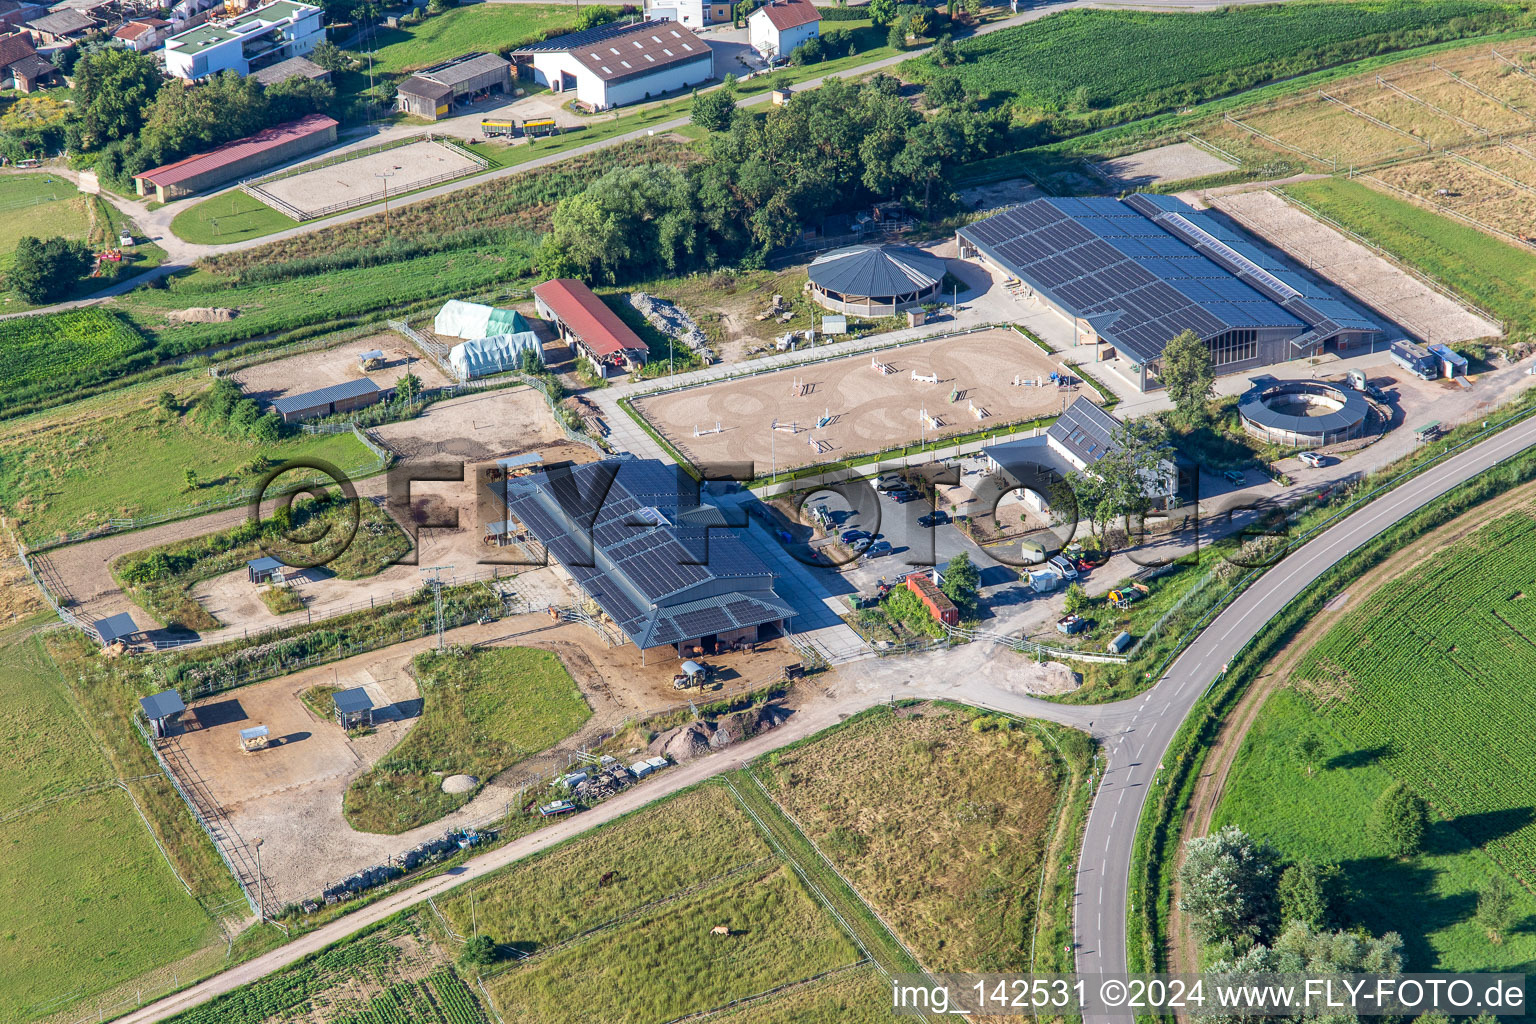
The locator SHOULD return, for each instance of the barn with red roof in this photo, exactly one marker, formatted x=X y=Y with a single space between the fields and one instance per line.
x=238 y=159
x=590 y=327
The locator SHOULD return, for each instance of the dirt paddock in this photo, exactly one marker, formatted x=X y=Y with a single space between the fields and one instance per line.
x=480 y=425
x=335 y=365
x=356 y=181
x=869 y=411
x=1165 y=163
x=1379 y=284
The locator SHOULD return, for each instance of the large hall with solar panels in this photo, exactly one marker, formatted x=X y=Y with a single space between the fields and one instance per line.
x=664 y=568
x=1133 y=274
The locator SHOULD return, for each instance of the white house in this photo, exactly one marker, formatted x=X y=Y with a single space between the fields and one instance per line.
x=690 y=12
x=256 y=38
x=142 y=34
x=777 y=27
x=615 y=65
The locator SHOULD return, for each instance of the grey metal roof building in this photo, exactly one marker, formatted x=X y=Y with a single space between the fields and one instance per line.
x=431 y=93
x=663 y=567
x=1303 y=413
x=167 y=704
x=875 y=280
x=1135 y=274
x=114 y=628
x=293 y=67
x=329 y=400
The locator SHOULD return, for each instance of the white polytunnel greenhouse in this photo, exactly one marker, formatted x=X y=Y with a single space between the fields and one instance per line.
x=495 y=354
x=472 y=320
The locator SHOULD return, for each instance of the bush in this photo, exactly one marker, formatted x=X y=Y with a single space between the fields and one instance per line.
x=478 y=952
x=48 y=271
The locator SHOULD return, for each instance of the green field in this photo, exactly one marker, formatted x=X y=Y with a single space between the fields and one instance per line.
x=857 y=996
x=38 y=354
x=458 y=30
x=662 y=965
x=483 y=711
x=1104 y=67
x=39 y=204
x=90 y=902
x=394 y=975
x=950 y=859
x=231 y=217
x=696 y=837
x=1433 y=674
x=1427 y=899
x=124 y=457
x=1494 y=274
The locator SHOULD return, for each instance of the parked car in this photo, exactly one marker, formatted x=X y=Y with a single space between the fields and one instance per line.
x=1310 y=459
x=1234 y=476
x=877 y=549
x=902 y=497
x=889 y=482
x=1064 y=567
x=859 y=544
x=938 y=517
x=849 y=536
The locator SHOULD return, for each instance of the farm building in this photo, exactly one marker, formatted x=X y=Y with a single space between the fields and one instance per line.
x=255 y=39
x=470 y=320
x=161 y=711
x=777 y=27
x=264 y=570
x=935 y=600
x=433 y=92
x=59 y=27
x=493 y=354
x=293 y=67
x=114 y=628
x=1131 y=275
x=1302 y=413
x=633 y=537
x=689 y=12
x=141 y=34
x=328 y=401
x=15 y=13
x=238 y=159
x=354 y=708
x=875 y=280
x=21 y=67
x=1452 y=363
x=615 y=65
x=592 y=329
x=1078 y=439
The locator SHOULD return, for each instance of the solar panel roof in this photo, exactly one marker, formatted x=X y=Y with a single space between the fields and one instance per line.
x=635 y=537
x=1139 y=283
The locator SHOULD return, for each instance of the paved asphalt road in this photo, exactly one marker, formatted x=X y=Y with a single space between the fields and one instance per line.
x=1137 y=733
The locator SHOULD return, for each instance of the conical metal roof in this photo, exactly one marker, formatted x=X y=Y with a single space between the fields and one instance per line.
x=876 y=270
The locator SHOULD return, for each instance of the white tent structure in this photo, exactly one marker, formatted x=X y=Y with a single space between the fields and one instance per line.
x=472 y=320
x=495 y=354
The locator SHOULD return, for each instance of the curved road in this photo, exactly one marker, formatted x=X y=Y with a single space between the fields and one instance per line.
x=1136 y=733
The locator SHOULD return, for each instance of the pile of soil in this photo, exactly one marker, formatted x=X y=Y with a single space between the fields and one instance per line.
x=203 y=315
x=700 y=737
x=460 y=784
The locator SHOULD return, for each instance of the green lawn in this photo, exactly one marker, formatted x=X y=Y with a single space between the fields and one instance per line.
x=665 y=964
x=688 y=839
x=459 y=30
x=1494 y=274
x=483 y=711
x=40 y=204
x=231 y=217
x=1427 y=899
x=90 y=902
x=70 y=471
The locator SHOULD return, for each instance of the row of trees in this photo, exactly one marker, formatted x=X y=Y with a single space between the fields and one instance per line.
x=763 y=180
x=134 y=120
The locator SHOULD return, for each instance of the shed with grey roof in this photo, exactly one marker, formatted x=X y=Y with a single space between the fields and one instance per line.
x=293 y=67
x=161 y=711
x=354 y=708
x=614 y=65
x=433 y=92
x=328 y=401
x=114 y=628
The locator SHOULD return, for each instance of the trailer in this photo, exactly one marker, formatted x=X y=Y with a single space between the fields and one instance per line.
x=496 y=128
x=1043 y=582
x=1071 y=624
x=539 y=127
x=1415 y=359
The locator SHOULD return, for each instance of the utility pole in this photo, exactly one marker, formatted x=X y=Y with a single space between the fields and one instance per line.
x=385 y=176
x=436 y=583
x=261 y=900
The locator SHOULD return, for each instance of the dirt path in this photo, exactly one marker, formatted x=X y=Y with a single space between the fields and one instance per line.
x=1184 y=948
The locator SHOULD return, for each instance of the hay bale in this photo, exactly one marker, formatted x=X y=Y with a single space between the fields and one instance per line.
x=203 y=315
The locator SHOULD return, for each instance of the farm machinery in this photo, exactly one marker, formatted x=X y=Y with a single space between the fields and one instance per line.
x=1128 y=596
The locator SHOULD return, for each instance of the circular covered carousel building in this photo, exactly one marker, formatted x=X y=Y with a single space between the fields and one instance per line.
x=1303 y=413
x=875 y=280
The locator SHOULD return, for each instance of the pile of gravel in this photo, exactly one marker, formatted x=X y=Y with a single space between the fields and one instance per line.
x=672 y=321
x=460 y=784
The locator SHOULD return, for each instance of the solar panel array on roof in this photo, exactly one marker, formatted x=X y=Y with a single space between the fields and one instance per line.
x=1137 y=282
x=634 y=536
